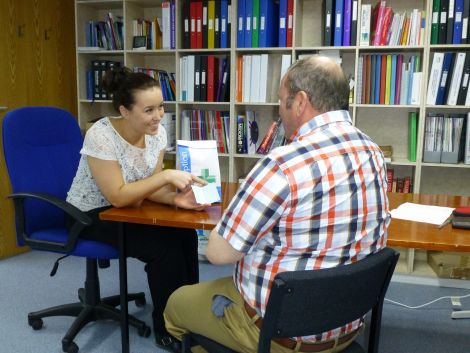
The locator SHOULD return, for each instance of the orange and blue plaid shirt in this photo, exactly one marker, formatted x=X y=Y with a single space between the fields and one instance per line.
x=315 y=203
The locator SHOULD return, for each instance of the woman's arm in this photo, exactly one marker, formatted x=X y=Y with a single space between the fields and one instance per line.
x=108 y=177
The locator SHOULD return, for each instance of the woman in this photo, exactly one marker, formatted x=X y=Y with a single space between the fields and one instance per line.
x=120 y=166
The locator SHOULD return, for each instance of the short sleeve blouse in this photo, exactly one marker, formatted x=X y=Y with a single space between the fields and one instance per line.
x=102 y=141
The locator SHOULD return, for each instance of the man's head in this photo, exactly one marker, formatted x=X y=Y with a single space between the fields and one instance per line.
x=311 y=87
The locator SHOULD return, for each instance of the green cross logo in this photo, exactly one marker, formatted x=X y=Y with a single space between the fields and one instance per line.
x=205 y=175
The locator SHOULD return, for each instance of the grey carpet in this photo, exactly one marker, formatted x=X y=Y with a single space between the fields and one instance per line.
x=25 y=286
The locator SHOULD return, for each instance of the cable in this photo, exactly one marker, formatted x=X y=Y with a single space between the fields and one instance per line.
x=426 y=304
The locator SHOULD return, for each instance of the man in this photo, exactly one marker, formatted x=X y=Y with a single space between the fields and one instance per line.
x=318 y=202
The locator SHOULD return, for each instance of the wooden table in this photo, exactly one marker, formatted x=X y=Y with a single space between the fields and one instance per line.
x=401 y=233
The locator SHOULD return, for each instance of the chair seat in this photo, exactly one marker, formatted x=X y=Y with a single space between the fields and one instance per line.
x=84 y=248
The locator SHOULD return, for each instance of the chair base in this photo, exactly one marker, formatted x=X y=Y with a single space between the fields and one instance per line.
x=85 y=313
x=91 y=307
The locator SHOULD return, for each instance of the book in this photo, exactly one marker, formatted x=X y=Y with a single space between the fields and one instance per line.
x=347 y=22
x=412 y=135
x=458 y=17
x=217 y=24
x=467 y=141
x=268 y=12
x=211 y=24
x=442 y=35
x=434 y=78
x=443 y=84
x=338 y=32
x=465 y=80
x=364 y=37
x=204 y=24
x=354 y=23
x=435 y=21
x=465 y=17
x=456 y=79
x=224 y=43
x=450 y=21
x=241 y=24
x=282 y=30
x=255 y=22
x=290 y=22
x=327 y=22
x=268 y=138
x=248 y=24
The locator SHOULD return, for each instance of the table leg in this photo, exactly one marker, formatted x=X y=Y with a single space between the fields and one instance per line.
x=123 y=288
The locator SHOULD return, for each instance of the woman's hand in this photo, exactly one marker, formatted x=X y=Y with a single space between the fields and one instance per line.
x=182 y=180
x=186 y=199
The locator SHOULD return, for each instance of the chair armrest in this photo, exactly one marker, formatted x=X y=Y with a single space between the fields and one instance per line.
x=81 y=221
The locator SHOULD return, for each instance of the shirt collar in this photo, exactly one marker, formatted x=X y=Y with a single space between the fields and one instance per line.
x=321 y=120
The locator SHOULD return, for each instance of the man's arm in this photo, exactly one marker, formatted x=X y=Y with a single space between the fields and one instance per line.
x=220 y=252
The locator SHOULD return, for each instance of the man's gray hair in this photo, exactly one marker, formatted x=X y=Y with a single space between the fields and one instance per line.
x=322 y=80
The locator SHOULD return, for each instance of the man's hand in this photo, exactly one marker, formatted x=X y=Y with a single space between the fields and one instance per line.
x=186 y=199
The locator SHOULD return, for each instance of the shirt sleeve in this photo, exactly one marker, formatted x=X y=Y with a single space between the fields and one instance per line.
x=99 y=143
x=258 y=206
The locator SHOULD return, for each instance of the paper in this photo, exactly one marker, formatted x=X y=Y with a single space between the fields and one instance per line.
x=206 y=194
x=422 y=213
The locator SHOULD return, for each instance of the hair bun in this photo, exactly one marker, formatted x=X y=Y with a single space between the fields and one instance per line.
x=113 y=78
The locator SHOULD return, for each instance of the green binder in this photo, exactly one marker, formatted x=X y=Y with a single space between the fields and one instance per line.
x=412 y=135
x=255 y=25
x=436 y=4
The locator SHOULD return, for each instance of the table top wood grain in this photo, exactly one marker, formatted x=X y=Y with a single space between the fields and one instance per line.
x=401 y=233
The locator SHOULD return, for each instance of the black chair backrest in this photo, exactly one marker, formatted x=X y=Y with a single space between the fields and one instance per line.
x=303 y=303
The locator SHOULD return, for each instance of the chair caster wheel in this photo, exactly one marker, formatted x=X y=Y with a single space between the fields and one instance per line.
x=69 y=347
x=36 y=324
x=144 y=331
x=140 y=302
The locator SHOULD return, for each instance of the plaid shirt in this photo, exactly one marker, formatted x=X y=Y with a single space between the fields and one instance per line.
x=315 y=203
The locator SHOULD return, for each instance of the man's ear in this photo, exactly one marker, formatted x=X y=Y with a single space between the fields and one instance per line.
x=302 y=101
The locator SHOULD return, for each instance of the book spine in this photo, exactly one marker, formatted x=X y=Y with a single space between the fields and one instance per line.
x=264 y=145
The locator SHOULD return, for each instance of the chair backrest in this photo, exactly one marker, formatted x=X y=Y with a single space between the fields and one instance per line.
x=303 y=303
x=41 y=147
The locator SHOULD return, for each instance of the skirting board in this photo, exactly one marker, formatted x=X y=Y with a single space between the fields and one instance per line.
x=429 y=281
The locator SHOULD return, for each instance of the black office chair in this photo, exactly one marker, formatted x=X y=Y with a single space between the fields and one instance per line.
x=305 y=303
x=41 y=148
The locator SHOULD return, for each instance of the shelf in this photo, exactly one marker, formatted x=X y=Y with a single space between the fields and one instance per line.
x=151 y=52
x=101 y=4
x=404 y=106
x=450 y=107
x=101 y=52
x=380 y=48
x=446 y=165
x=247 y=104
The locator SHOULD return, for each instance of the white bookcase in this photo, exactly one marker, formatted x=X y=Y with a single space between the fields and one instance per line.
x=386 y=124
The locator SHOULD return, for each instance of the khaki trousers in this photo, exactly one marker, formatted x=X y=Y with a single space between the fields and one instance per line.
x=189 y=310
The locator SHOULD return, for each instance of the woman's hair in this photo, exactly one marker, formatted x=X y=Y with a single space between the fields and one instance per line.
x=322 y=80
x=122 y=83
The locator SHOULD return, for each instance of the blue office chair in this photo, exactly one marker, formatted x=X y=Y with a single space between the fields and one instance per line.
x=41 y=148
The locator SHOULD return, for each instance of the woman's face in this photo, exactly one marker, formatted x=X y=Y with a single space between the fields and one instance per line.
x=146 y=113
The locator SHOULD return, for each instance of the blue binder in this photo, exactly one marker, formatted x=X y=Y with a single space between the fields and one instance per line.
x=444 y=79
x=282 y=40
x=458 y=17
x=338 y=34
x=268 y=14
x=241 y=24
x=248 y=24
x=223 y=23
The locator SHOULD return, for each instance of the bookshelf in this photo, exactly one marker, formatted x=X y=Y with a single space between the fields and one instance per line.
x=386 y=124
